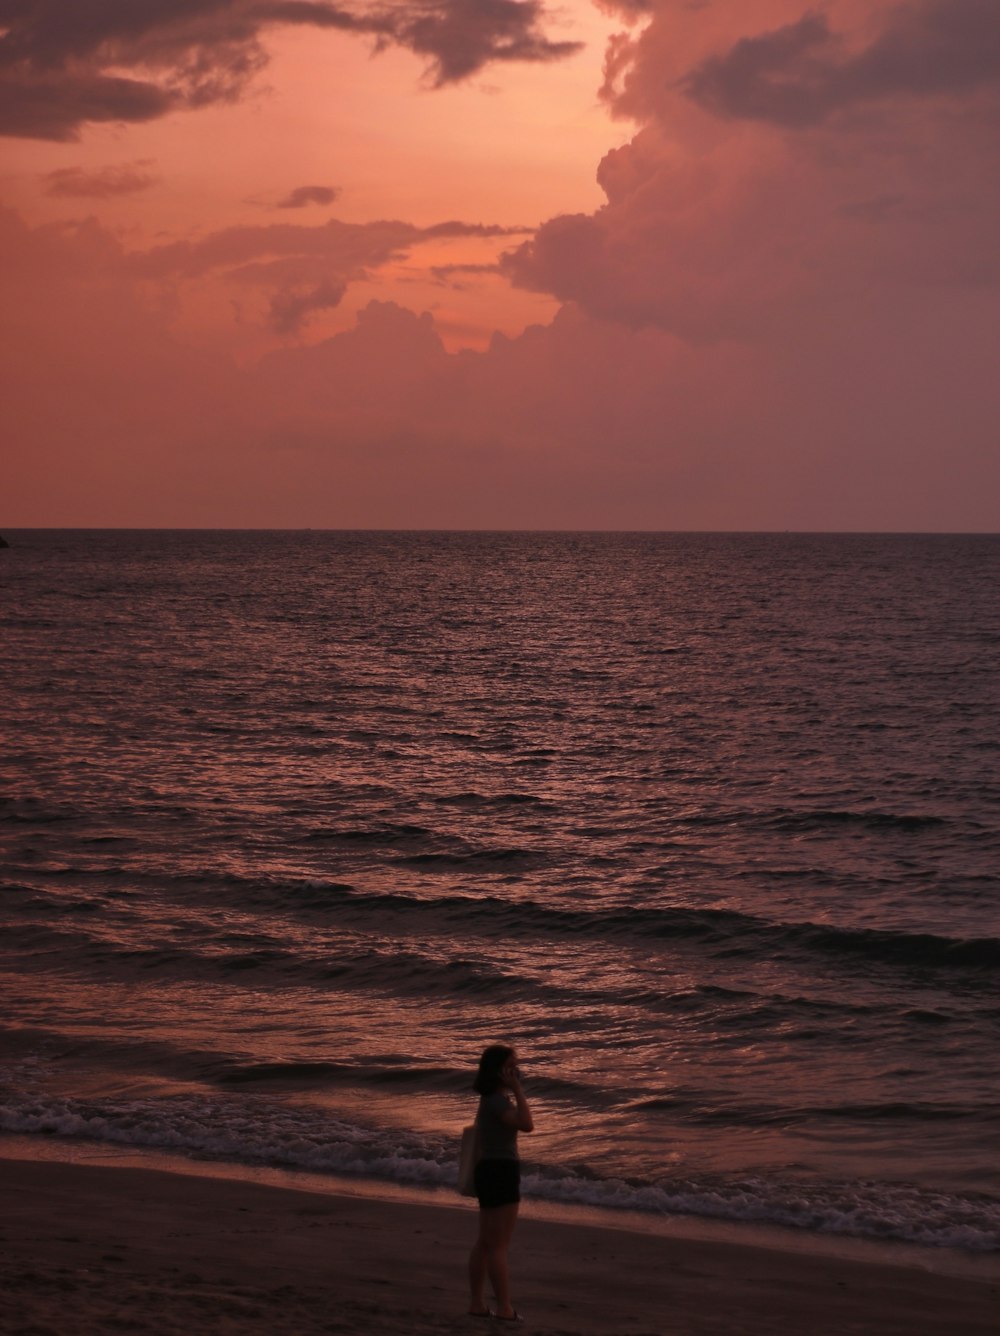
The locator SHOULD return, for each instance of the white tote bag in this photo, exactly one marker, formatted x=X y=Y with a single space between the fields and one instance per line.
x=468 y=1158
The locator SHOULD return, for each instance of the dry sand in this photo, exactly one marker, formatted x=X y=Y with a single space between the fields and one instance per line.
x=98 y=1249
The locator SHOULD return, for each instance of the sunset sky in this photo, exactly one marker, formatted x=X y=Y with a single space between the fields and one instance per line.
x=645 y=264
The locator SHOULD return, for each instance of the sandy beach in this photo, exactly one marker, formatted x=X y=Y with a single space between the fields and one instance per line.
x=93 y=1248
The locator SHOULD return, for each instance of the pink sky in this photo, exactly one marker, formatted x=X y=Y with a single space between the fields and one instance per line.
x=650 y=264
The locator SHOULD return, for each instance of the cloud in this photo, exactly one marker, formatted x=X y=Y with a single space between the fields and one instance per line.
x=347 y=246
x=634 y=11
x=68 y=63
x=451 y=275
x=128 y=178
x=65 y=64
x=299 y=269
x=783 y=316
x=303 y=195
x=289 y=253
x=802 y=73
x=744 y=206
x=885 y=422
x=461 y=37
x=44 y=104
x=758 y=241
x=289 y=309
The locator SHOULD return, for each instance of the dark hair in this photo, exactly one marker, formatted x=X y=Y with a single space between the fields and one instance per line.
x=490 y=1065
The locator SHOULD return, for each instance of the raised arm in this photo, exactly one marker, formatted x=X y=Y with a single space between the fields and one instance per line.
x=519 y=1117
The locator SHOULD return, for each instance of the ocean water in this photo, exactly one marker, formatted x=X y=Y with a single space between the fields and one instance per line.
x=293 y=824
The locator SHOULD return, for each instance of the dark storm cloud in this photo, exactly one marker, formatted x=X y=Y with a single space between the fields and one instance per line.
x=52 y=106
x=301 y=196
x=801 y=74
x=55 y=55
x=460 y=37
x=48 y=33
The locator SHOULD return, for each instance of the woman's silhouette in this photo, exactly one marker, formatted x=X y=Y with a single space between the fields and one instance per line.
x=503 y=1112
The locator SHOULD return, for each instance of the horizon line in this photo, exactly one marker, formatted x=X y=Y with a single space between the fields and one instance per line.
x=434 y=529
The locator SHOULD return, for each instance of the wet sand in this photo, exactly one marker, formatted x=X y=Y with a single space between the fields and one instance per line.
x=98 y=1249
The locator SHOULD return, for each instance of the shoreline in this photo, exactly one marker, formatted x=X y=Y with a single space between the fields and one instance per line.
x=952 y=1261
x=90 y=1244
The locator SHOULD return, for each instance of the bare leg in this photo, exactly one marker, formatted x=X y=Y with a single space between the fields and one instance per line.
x=477 y=1276
x=489 y=1258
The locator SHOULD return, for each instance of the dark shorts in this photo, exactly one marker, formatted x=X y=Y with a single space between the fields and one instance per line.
x=498 y=1183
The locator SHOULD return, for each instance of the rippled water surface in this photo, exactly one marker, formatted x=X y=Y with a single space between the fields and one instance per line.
x=293 y=823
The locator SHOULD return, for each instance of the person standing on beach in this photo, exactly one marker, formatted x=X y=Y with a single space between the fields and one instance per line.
x=503 y=1112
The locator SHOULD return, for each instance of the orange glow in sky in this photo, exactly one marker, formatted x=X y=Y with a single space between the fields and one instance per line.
x=450 y=263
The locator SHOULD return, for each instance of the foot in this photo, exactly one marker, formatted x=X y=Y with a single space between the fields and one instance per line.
x=512 y=1316
x=481 y=1312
